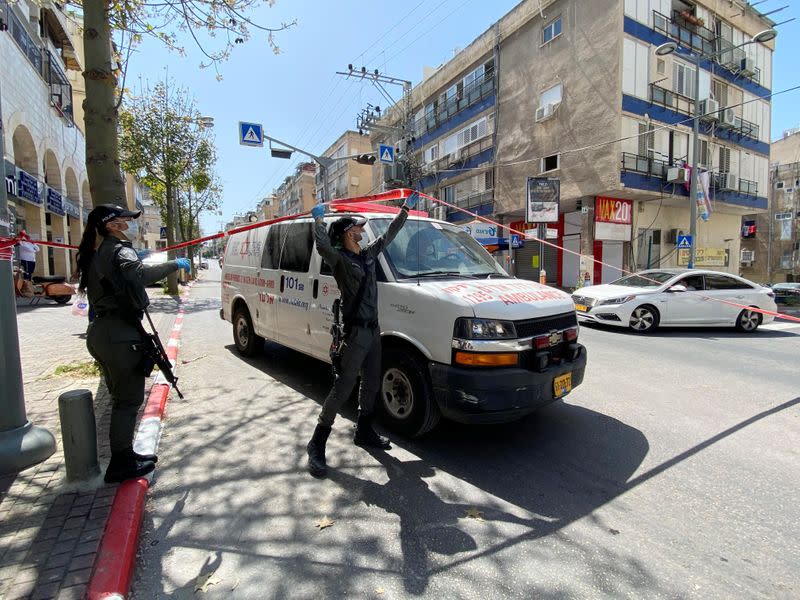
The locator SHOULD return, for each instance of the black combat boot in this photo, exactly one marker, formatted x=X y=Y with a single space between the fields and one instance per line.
x=316 y=451
x=124 y=465
x=145 y=457
x=366 y=436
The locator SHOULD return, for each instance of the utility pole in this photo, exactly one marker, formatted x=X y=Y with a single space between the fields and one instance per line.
x=22 y=445
x=369 y=120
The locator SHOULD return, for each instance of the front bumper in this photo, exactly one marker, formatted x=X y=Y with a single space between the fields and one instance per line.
x=606 y=315
x=498 y=395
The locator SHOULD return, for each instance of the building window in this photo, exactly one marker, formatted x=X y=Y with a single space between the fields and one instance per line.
x=552 y=30
x=683 y=79
x=661 y=66
x=724 y=160
x=551 y=163
x=551 y=96
x=432 y=153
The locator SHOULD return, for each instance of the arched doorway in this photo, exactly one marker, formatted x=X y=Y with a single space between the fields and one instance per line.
x=74 y=229
x=57 y=258
x=28 y=216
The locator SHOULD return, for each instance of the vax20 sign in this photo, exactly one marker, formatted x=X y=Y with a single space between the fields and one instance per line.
x=612 y=219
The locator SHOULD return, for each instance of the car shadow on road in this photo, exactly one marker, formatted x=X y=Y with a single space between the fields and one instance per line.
x=554 y=467
x=705 y=333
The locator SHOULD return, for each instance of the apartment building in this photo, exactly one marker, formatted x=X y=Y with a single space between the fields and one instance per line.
x=44 y=162
x=771 y=241
x=347 y=178
x=297 y=192
x=574 y=91
x=268 y=207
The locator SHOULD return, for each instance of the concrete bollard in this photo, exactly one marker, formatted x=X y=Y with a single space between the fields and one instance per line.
x=79 y=434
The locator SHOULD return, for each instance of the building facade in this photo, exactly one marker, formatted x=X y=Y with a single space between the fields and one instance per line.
x=297 y=192
x=268 y=207
x=771 y=241
x=573 y=91
x=347 y=178
x=44 y=162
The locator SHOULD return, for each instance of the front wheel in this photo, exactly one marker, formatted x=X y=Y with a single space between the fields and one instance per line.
x=61 y=299
x=244 y=336
x=748 y=321
x=644 y=319
x=406 y=403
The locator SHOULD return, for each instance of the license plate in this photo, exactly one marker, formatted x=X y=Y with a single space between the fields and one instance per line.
x=562 y=385
x=581 y=308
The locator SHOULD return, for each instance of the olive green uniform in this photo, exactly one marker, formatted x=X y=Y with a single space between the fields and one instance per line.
x=116 y=292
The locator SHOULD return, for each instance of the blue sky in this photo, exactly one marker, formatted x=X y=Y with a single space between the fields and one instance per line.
x=299 y=99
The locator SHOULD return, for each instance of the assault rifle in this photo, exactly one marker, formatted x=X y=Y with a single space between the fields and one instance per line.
x=337 y=333
x=153 y=353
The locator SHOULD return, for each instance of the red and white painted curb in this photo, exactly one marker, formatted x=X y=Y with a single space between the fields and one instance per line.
x=113 y=567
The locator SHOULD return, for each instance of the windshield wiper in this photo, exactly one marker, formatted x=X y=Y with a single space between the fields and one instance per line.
x=441 y=274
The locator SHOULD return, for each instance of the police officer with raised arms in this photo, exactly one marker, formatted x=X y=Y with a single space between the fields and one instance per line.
x=114 y=280
x=354 y=271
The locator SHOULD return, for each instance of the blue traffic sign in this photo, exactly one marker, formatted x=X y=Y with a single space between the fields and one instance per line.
x=251 y=134
x=386 y=154
x=684 y=241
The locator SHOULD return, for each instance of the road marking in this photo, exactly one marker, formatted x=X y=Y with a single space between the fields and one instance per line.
x=781 y=326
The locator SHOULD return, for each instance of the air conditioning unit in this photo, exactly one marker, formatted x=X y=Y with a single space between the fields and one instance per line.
x=428 y=168
x=747 y=67
x=545 y=112
x=678 y=175
x=463 y=153
x=727 y=118
x=728 y=182
x=709 y=109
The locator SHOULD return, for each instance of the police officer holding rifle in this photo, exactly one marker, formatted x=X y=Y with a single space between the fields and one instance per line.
x=114 y=280
x=360 y=349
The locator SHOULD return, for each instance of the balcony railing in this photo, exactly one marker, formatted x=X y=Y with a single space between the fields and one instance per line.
x=748 y=187
x=475 y=199
x=60 y=88
x=644 y=164
x=471 y=94
x=696 y=37
x=673 y=100
x=26 y=43
x=747 y=128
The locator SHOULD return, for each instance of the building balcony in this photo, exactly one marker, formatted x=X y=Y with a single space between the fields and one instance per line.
x=748 y=187
x=689 y=32
x=646 y=165
x=672 y=100
x=472 y=94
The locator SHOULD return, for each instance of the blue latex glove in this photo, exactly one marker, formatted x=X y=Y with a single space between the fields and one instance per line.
x=183 y=264
x=318 y=211
x=411 y=201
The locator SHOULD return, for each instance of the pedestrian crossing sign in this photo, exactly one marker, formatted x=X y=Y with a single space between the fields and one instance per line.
x=386 y=154
x=251 y=134
x=684 y=241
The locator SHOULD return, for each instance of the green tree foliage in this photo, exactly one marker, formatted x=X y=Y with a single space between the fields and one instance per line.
x=164 y=144
x=112 y=27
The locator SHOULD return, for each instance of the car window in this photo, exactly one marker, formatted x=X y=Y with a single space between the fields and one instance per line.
x=270 y=259
x=692 y=282
x=646 y=279
x=296 y=242
x=722 y=282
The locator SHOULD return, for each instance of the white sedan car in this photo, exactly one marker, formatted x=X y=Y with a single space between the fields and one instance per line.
x=676 y=297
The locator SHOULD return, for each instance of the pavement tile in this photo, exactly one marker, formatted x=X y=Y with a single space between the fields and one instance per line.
x=86 y=548
x=78 y=577
x=74 y=522
x=63 y=546
x=91 y=534
x=84 y=499
x=76 y=592
x=45 y=592
x=26 y=575
x=80 y=510
x=105 y=500
x=69 y=534
x=51 y=574
x=58 y=560
x=20 y=591
x=100 y=512
x=82 y=562
x=64 y=499
x=48 y=534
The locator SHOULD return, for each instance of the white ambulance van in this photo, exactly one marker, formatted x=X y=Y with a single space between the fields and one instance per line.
x=461 y=338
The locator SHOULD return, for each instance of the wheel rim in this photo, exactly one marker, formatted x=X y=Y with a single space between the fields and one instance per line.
x=642 y=319
x=397 y=393
x=242 y=332
x=749 y=320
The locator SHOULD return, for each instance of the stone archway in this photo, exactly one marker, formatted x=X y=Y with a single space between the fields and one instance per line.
x=52 y=171
x=58 y=258
x=74 y=228
x=25 y=156
x=86 y=195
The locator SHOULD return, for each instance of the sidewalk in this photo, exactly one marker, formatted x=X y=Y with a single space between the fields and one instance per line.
x=49 y=530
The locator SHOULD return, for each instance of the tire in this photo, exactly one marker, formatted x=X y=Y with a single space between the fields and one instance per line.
x=244 y=336
x=61 y=299
x=644 y=319
x=748 y=321
x=405 y=398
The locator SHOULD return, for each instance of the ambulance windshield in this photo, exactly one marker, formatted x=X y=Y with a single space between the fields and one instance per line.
x=431 y=249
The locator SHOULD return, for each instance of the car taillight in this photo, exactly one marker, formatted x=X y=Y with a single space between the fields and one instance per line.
x=571 y=334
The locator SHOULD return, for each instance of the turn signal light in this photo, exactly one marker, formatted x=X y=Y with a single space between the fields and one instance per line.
x=487 y=359
x=571 y=334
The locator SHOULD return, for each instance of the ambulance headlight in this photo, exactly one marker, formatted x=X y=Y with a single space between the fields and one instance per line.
x=484 y=329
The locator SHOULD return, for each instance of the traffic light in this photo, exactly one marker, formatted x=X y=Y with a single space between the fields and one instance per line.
x=365 y=159
x=280 y=153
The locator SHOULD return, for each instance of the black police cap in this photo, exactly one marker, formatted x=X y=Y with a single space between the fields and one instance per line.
x=342 y=225
x=104 y=213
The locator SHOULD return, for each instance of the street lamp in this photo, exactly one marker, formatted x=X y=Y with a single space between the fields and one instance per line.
x=668 y=48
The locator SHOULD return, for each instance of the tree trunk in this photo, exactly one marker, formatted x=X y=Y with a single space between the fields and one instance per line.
x=172 y=278
x=100 y=113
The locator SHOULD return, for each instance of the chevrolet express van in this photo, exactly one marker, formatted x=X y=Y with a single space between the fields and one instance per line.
x=461 y=338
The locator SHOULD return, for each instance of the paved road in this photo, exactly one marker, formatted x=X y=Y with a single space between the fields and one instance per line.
x=671 y=472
